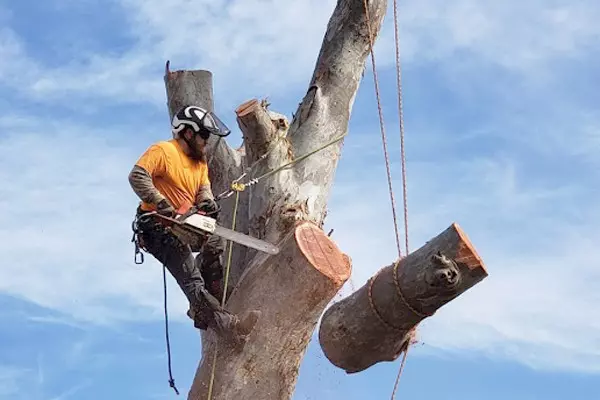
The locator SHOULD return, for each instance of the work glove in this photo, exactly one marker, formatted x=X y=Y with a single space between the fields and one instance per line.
x=165 y=208
x=209 y=206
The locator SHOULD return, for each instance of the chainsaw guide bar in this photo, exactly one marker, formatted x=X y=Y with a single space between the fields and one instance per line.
x=203 y=225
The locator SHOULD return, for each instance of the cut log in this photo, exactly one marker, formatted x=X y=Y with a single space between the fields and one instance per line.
x=300 y=280
x=373 y=324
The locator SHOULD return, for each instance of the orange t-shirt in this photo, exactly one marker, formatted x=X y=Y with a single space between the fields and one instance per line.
x=174 y=174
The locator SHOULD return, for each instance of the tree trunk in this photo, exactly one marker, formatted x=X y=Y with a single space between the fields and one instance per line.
x=373 y=324
x=292 y=288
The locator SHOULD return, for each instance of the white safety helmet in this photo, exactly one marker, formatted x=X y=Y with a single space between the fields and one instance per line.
x=201 y=121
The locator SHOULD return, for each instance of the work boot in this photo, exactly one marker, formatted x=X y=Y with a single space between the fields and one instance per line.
x=235 y=328
x=226 y=323
x=246 y=324
x=195 y=316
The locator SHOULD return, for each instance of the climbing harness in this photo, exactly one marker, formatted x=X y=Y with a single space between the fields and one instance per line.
x=403 y=164
x=138 y=256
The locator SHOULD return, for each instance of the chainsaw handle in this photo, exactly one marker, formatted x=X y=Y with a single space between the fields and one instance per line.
x=186 y=210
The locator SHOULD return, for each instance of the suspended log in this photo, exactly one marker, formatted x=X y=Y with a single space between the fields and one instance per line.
x=374 y=323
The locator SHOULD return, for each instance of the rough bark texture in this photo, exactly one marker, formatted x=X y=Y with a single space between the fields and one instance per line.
x=362 y=329
x=291 y=289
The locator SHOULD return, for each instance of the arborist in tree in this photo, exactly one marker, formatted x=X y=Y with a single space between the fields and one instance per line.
x=169 y=175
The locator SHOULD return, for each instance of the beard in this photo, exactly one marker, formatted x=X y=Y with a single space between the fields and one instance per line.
x=196 y=152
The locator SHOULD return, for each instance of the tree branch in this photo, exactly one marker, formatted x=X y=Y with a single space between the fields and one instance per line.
x=356 y=333
x=301 y=192
x=261 y=128
x=195 y=87
x=267 y=148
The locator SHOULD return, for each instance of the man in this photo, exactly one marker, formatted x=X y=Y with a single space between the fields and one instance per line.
x=169 y=175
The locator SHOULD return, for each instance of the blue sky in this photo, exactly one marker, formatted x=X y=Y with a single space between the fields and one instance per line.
x=502 y=131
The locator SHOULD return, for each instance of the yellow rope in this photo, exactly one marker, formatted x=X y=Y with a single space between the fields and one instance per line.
x=229 y=255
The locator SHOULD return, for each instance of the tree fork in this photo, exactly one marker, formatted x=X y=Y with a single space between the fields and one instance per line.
x=373 y=324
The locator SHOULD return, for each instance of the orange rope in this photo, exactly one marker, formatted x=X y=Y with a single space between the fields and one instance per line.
x=403 y=157
x=381 y=124
x=401 y=118
x=403 y=163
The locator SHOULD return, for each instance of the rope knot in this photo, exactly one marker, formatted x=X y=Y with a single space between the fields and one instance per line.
x=172 y=384
x=238 y=186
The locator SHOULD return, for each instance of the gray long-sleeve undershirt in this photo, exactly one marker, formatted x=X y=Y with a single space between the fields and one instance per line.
x=141 y=183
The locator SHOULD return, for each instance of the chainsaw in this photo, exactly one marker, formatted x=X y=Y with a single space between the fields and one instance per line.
x=198 y=222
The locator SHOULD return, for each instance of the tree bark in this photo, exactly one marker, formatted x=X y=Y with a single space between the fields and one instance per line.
x=372 y=324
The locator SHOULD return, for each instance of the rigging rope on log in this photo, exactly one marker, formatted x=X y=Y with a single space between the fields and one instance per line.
x=402 y=151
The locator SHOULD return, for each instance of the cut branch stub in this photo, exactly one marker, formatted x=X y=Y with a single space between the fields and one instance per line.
x=266 y=149
x=291 y=289
x=373 y=324
x=260 y=128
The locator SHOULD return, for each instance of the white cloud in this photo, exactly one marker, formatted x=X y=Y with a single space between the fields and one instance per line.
x=266 y=48
x=68 y=233
x=517 y=36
